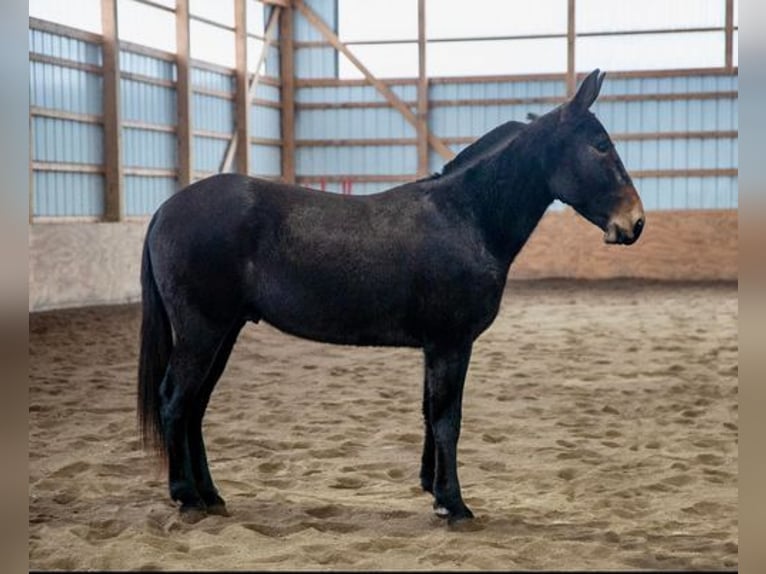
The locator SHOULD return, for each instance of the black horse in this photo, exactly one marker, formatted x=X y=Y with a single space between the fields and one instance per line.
x=421 y=265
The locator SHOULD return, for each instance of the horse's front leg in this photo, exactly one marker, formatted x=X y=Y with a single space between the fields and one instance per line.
x=445 y=373
x=428 y=459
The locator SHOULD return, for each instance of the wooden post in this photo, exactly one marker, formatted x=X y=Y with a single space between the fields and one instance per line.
x=287 y=75
x=571 y=41
x=384 y=90
x=729 y=56
x=114 y=200
x=183 y=96
x=422 y=92
x=232 y=147
x=241 y=100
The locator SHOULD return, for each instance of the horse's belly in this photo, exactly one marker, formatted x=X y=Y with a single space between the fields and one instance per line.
x=340 y=314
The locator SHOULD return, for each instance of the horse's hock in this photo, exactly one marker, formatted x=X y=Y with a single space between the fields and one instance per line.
x=93 y=264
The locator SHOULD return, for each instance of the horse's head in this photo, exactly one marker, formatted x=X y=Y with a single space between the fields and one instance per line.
x=588 y=174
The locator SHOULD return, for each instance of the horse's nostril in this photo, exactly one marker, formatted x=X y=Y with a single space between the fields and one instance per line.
x=638 y=228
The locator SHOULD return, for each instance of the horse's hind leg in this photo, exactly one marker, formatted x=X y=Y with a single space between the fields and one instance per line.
x=204 y=482
x=190 y=362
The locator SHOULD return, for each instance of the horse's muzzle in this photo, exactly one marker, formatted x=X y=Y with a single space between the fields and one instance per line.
x=628 y=222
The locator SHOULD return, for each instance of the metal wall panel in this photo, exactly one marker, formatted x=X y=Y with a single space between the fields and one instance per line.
x=133 y=63
x=265 y=122
x=208 y=153
x=68 y=89
x=463 y=121
x=357 y=187
x=147 y=103
x=148 y=148
x=68 y=194
x=357 y=160
x=487 y=90
x=688 y=193
x=41 y=42
x=340 y=94
x=352 y=123
x=213 y=114
x=210 y=80
x=316 y=62
x=267 y=92
x=64 y=141
x=266 y=160
x=325 y=9
x=143 y=195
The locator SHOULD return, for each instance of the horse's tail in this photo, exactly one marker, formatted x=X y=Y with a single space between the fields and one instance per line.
x=156 y=345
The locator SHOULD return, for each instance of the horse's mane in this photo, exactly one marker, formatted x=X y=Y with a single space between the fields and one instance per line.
x=483 y=147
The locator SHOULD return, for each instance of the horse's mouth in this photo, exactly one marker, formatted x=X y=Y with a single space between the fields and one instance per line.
x=618 y=235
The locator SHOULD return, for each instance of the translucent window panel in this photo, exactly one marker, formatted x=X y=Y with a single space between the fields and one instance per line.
x=82 y=14
x=651 y=51
x=254 y=51
x=460 y=19
x=146 y=25
x=368 y=20
x=383 y=60
x=256 y=21
x=221 y=11
x=616 y=15
x=211 y=44
x=735 y=49
x=487 y=57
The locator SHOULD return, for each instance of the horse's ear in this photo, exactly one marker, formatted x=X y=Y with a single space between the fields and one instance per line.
x=587 y=93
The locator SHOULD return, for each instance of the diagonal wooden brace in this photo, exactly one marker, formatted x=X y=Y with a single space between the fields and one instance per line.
x=385 y=91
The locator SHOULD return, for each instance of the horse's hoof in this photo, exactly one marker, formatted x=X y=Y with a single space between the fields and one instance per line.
x=460 y=517
x=440 y=511
x=218 y=509
x=192 y=514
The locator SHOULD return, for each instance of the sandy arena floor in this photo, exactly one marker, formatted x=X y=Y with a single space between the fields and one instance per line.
x=600 y=431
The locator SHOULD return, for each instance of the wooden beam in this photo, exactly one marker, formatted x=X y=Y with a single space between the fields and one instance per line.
x=392 y=98
x=422 y=92
x=287 y=73
x=114 y=200
x=241 y=99
x=729 y=54
x=571 y=42
x=183 y=96
x=244 y=96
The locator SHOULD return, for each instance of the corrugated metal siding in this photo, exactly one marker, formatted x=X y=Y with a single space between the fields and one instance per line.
x=64 y=141
x=265 y=160
x=265 y=122
x=315 y=62
x=143 y=195
x=352 y=123
x=58 y=194
x=148 y=103
x=210 y=80
x=208 y=153
x=340 y=94
x=41 y=42
x=133 y=63
x=148 y=148
x=688 y=193
x=67 y=89
x=210 y=113
x=357 y=160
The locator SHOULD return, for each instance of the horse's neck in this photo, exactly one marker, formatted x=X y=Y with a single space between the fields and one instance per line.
x=508 y=194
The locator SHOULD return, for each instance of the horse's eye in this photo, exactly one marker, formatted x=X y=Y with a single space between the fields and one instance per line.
x=603 y=146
